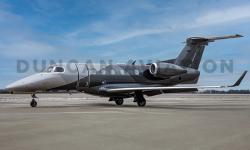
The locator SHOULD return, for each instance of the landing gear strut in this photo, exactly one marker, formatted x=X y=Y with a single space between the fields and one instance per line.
x=33 y=103
x=118 y=101
x=141 y=101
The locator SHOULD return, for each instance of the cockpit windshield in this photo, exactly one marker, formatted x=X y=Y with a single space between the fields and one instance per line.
x=47 y=69
x=51 y=69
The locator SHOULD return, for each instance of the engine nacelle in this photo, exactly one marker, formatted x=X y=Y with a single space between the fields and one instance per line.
x=165 y=70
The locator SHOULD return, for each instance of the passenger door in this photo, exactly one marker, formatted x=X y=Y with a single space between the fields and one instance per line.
x=83 y=80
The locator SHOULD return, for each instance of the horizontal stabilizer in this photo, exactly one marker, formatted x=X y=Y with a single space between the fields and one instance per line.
x=117 y=90
x=211 y=39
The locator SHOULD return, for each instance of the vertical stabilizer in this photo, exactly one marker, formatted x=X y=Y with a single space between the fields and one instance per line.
x=192 y=53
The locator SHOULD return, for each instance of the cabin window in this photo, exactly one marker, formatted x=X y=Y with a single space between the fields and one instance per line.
x=103 y=71
x=122 y=72
x=93 y=71
x=112 y=71
x=47 y=69
x=137 y=72
x=59 y=69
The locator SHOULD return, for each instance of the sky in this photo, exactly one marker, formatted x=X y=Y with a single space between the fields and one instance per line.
x=44 y=30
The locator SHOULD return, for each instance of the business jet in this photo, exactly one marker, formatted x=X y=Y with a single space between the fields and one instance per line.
x=119 y=81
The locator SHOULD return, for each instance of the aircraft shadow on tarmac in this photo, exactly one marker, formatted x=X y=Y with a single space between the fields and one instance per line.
x=154 y=106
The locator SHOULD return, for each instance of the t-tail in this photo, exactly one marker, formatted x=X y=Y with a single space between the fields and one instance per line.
x=187 y=62
x=192 y=53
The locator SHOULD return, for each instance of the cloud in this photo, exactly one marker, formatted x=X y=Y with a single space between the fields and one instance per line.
x=129 y=35
x=74 y=37
x=8 y=17
x=18 y=40
x=109 y=33
x=47 y=7
x=26 y=49
x=221 y=16
x=4 y=5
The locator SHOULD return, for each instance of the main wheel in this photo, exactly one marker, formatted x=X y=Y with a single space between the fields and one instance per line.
x=119 y=101
x=141 y=102
x=33 y=103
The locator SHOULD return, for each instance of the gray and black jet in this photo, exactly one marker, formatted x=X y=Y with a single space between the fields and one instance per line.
x=121 y=81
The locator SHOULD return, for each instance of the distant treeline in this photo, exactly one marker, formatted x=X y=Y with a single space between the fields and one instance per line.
x=198 y=92
x=45 y=92
x=4 y=92
x=224 y=92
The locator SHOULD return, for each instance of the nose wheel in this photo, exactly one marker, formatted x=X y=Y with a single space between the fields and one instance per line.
x=33 y=103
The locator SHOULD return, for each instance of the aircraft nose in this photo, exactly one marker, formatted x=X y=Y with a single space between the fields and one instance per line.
x=23 y=84
x=8 y=88
x=13 y=87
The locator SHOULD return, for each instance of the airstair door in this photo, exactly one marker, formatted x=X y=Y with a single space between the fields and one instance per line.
x=83 y=80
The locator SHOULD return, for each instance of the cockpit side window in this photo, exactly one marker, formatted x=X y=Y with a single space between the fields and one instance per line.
x=59 y=69
x=47 y=69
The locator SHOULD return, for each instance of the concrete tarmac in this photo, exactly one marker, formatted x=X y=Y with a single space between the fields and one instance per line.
x=166 y=122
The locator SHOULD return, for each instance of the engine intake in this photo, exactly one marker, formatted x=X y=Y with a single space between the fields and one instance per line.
x=165 y=70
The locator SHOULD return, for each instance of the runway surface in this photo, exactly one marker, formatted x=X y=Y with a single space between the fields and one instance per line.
x=65 y=122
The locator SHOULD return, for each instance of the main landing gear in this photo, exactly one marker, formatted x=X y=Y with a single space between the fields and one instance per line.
x=33 y=103
x=118 y=100
x=141 y=101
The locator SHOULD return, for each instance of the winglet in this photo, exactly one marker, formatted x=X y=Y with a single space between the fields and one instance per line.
x=237 y=83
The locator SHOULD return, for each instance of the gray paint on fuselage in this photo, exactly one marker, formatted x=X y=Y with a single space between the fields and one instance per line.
x=99 y=81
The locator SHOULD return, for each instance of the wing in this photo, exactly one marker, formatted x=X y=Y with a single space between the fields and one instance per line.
x=118 y=90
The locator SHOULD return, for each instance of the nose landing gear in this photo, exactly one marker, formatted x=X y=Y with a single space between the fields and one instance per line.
x=33 y=103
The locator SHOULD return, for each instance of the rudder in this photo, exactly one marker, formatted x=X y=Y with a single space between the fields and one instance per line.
x=192 y=53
